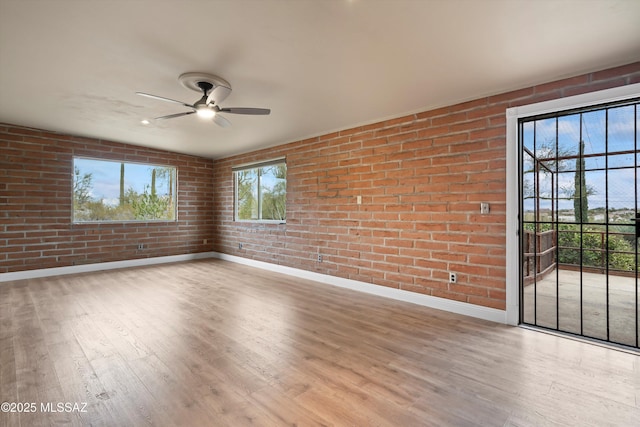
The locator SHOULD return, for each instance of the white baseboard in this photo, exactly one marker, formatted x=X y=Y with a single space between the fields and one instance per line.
x=86 y=268
x=480 y=312
x=477 y=311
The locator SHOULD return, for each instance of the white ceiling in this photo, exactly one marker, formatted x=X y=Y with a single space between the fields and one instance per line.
x=320 y=65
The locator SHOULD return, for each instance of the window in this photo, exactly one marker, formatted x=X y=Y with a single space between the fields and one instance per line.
x=261 y=191
x=105 y=190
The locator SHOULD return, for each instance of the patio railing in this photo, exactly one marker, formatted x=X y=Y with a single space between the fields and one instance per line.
x=541 y=254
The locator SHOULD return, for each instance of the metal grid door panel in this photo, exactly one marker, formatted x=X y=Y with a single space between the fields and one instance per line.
x=579 y=222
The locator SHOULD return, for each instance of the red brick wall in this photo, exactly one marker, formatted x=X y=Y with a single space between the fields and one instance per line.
x=421 y=177
x=35 y=204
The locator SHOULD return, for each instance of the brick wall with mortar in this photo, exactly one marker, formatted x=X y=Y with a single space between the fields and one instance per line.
x=421 y=179
x=35 y=204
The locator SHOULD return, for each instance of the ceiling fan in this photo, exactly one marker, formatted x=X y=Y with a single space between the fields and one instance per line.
x=214 y=90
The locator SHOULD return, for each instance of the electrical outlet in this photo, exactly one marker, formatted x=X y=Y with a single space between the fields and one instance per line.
x=239 y=245
x=484 y=208
x=453 y=278
x=319 y=257
x=140 y=246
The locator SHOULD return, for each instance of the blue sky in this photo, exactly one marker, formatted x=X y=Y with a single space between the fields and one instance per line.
x=601 y=134
x=106 y=178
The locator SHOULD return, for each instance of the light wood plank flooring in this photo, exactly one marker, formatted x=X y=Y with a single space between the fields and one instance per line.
x=211 y=343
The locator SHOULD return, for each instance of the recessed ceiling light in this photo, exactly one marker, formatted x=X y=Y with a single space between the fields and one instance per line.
x=145 y=122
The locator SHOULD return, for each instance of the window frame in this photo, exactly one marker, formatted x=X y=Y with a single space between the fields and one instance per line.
x=256 y=165
x=124 y=221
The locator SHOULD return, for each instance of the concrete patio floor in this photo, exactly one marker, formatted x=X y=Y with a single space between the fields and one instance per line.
x=563 y=287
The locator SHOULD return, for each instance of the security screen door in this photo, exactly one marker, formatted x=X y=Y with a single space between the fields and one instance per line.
x=579 y=190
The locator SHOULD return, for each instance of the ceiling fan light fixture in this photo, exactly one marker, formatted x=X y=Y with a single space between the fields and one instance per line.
x=204 y=112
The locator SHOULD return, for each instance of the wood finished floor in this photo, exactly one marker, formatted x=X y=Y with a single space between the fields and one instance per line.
x=211 y=343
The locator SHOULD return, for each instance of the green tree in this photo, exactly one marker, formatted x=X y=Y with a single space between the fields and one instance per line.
x=550 y=159
x=82 y=186
x=247 y=181
x=594 y=250
x=166 y=174
x=147 y=206
x=153 y=181
x=122 y=183
x=274 y=199
x=580 y=193
x=547 y=160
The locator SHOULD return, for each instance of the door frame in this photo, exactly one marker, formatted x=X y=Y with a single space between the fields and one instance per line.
x=513 y=198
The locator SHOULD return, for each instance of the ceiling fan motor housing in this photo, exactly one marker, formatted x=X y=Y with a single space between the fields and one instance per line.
x=205 y=86
x=194 y=80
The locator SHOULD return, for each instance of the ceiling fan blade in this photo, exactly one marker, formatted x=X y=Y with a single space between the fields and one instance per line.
x=161 y=98
x=221 y=121
x=218 y=94
x=251 y=111
x=173 y=116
